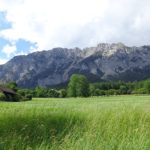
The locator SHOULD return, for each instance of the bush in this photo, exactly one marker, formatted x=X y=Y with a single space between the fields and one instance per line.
x=140 y=91
x=21 y=92
x=28 y=97
x=2 y=97
x=52 y=93
x=63 y=93
x=16 y=98
x=112 y=92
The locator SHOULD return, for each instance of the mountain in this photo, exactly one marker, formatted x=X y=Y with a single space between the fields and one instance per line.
x=54 y=67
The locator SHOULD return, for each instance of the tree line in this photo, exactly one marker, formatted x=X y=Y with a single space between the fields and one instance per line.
x=79 y=86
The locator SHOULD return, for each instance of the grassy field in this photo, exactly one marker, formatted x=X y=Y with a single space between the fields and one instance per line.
x=99 y=123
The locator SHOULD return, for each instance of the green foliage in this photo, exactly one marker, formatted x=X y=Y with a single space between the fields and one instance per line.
x=40 y=92
x=123 y=89
x=119 y=87
x=52 y=93
x=98 y=92
x=78 y=86
x=139 y=91
x=21 y=94
x=28 y=97
x=147 y=86
x=17 y=98
x=12 y=85
x=72 y=90
x=63 y=93
x=112 y=92
x=2 y=97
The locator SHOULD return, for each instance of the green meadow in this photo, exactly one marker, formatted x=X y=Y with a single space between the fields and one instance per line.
x=96 y=123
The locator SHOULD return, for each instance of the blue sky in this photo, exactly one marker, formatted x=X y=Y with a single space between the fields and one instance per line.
x=33 y=25
x=9 y=48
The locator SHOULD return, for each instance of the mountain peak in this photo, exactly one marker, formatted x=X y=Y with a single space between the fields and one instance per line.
x=110 y=46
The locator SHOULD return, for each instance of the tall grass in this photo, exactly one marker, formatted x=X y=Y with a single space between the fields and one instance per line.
x=102 y=123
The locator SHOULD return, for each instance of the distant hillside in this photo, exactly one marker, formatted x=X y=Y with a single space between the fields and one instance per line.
x=54 y=67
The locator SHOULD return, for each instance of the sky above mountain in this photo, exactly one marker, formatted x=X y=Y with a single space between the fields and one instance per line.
x=32 y=25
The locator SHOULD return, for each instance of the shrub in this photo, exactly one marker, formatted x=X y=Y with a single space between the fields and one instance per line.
x=28 y=97
x=21 y=92
x=140 y=91
x=2 y=97
x=53 y=93
x=63 y=93
x=112 y=92
x=16 y=98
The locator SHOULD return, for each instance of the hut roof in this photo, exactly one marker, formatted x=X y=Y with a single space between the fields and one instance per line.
x=7 y=90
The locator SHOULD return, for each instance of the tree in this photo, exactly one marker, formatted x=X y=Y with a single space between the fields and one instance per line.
x=78 y=86
x=123 y=89
x=92 y=90
x=40 y=91
x=147 y=86
x=52 y=93
x=12 y=85
x=63 y=93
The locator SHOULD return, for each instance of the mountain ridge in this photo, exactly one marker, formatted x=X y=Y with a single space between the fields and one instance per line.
x=106 y=61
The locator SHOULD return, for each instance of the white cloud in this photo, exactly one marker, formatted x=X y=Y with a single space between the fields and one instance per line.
x=9 y=49
x=3 y=61
x=71 y=23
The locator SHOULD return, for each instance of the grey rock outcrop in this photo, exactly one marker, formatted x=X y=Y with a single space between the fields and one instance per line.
x=54 y=67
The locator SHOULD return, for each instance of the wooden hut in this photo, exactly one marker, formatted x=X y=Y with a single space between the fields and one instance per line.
x=9 y=93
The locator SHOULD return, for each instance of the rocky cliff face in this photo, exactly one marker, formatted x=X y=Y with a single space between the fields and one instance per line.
x=54 y=67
